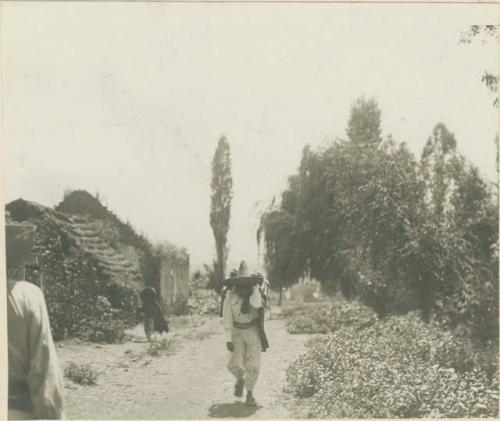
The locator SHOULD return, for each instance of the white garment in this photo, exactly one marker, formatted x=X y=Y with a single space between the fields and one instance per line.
x=246 y=356
x=32 y=354
x=245 y=359
x=231 y=311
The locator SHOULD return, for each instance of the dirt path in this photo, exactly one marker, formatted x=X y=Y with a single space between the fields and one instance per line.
x=191 y=383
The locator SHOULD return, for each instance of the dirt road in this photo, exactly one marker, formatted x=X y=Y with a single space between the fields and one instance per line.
x=192 y=382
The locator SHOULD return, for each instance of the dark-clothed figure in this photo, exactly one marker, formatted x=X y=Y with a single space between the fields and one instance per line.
x=35 y=387
x=154 y=321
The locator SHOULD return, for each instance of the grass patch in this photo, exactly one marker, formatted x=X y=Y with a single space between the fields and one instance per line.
x=82 y=374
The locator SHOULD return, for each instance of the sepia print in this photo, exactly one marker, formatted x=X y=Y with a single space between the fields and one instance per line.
x=250 y=210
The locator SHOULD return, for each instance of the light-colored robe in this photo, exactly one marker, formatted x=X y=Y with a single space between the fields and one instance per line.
x=32 y=354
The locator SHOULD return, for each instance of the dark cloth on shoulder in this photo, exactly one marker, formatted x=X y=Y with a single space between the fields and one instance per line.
x=262 y=333
x=160 y=324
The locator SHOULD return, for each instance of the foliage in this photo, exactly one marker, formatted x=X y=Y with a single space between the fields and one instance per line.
x=82 y=374
x=485 y=34
x=281 y=259
x=318 y=320
x=178 y=255
x=305 y=291
x=398 y=367
x=369 y=220
x=88 y=296
x=364 y=122
x=82 y=300
x=220 y=209
x=328 y=317
x=210 y=275
x=104 y=326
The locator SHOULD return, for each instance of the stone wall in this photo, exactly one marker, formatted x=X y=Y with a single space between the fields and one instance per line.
x=174 y=282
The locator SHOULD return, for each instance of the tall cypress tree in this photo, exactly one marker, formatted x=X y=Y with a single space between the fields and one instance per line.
x=220 y=210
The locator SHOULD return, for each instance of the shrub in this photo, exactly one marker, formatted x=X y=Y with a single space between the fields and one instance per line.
x=328 y=316
x=400 y=367
x=316 y=340
x=82 y=374
x=102 y=325
x=290 y=309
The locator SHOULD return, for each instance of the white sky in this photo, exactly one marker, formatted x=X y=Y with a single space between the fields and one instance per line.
x=130 y=99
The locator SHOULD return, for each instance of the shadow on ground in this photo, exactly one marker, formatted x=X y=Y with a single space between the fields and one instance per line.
x=231 y=410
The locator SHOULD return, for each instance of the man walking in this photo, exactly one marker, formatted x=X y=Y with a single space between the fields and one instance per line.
x=241 y=321
x=35 y=385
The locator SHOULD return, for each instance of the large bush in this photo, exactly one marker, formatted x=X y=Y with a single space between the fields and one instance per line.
x=104 y=325
x=310 y=319
x=399 y=367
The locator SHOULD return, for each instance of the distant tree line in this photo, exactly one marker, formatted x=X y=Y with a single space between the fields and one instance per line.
x=368 y=219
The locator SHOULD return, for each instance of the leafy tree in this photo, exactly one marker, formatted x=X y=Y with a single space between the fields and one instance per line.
x=485 y=34
x=364 y=122
x=281 y=251
x=220 y=211
x=399 y=234
x=440 y=166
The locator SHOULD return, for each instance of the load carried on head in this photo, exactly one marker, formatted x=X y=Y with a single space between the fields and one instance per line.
x=241 y=277
x=242 y=281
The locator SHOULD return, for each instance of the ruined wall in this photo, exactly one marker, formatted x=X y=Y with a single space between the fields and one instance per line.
x=89 y=286
x=174 y=280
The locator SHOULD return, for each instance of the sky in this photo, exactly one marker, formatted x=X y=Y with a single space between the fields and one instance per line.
x=130 y=99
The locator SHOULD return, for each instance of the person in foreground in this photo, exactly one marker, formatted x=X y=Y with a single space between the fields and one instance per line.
x=35 y=387
x=241 y=309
